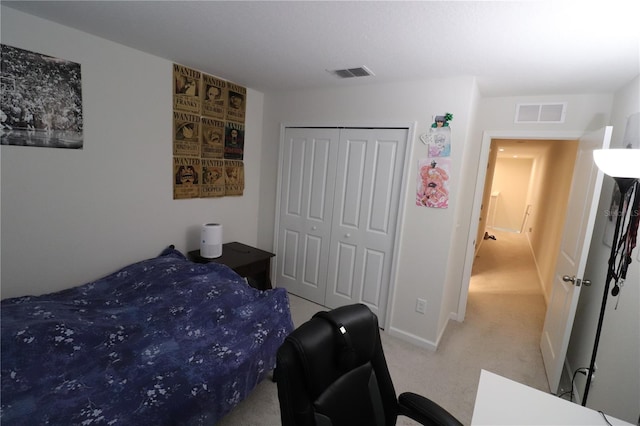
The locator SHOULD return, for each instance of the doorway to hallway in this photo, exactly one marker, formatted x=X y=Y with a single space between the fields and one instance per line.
x=565 y=251
x=525 y=192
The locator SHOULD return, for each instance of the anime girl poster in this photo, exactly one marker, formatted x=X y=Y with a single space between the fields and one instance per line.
x=440 y=142
x=438 y=138
x=433 y=183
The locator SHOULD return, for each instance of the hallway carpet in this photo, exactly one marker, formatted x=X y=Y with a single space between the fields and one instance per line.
x=501 y=333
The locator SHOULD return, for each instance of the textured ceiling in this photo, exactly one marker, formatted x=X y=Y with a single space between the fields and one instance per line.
x=513 y=48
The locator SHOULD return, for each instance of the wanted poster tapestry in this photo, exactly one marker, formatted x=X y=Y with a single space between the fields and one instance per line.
x=234 y=177
x=208 y=135
x=236 y=102
x=186 y=134
x=41 y=100
x=234 y=141
x=186 y=172
x=213 y=178
x=215 y=97
x=186 y=89
x=212 y=138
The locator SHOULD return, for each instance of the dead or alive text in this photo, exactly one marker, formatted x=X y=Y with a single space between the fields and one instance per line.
x=234 y=189
x=213 y=109
x=229 y=150
x=234 y=114
x=186 y=148
x=212 y=152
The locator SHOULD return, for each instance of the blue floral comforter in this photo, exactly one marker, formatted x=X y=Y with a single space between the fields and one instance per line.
x=161 y=342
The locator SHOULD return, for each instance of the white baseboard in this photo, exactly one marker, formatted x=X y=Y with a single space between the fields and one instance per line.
x=540 y=280
x=412 y=338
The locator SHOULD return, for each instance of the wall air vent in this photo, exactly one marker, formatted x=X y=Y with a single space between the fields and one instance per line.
x=352 y=72
x=552 y=112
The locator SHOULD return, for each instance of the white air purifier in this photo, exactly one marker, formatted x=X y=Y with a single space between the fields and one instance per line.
x=211 y=240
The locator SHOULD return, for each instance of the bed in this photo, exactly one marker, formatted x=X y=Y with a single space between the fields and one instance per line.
x=160 y=342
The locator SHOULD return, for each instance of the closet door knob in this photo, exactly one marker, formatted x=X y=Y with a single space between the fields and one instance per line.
x=347 y=235
x=313 y=228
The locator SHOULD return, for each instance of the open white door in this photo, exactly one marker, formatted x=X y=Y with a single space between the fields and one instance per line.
x=572 y=257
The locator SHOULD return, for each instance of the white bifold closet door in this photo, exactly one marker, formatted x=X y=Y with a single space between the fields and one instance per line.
x=339 y=198
x=307 y=178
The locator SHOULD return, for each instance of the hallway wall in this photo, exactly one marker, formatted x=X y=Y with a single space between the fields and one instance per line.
x=511 y=182
x=549 y=198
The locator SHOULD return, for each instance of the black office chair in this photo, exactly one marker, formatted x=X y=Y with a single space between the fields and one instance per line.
x=331 y=371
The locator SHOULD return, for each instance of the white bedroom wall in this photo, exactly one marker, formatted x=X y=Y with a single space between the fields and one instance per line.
x=585 y=112
x=71 y=216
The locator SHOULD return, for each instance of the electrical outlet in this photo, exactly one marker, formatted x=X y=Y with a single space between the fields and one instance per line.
x=421 y=306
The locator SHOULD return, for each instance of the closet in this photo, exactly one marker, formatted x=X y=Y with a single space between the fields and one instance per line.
x=339 y=195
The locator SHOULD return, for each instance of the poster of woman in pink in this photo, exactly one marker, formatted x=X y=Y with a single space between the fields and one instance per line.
x=433 y=183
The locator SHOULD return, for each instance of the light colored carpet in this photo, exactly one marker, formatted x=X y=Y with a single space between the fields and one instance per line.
x=501 y=333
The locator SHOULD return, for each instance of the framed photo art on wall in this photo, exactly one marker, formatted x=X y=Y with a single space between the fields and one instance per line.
x=41 y=100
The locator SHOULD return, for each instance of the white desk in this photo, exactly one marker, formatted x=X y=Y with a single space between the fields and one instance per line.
x=501 y=401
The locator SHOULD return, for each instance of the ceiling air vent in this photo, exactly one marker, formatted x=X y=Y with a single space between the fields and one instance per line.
x=552 y=112
x=352 y=72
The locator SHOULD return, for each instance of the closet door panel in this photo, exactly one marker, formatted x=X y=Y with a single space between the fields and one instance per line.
x=382 y=194
x=344 y=273
x=289 y=259
x=350 y=182
x=368 y=181
x=306 y=206
x=312 y=261
x=345 y=267
x=294 y=183
x=373 y=278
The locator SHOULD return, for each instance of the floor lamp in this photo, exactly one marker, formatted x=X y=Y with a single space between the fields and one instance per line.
x=624 y=166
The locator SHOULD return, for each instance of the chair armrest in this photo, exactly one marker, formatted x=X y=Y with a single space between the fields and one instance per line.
x=425 y=411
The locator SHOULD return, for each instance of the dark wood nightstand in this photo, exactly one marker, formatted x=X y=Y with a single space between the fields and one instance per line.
x=249 y=262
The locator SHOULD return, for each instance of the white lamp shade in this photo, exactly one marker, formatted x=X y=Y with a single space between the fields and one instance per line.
x=622 y=163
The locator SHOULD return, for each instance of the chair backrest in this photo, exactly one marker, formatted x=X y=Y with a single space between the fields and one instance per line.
x=332 y=371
